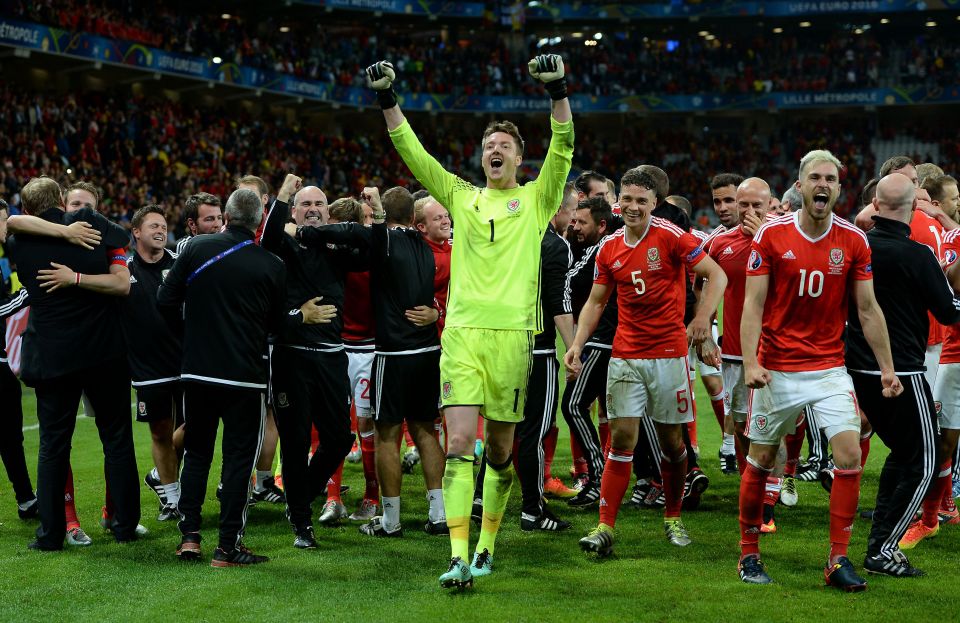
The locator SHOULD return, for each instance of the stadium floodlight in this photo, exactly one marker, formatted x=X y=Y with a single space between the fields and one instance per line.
x=598 y=36
x=226 y=16
x=930 y=24
x=217 y=60
x=556 y=40
x=709 y=37
x=804 y=24
x=284 y=29
x=703 y=33
x=884 y=21
x=777 y=30
x=543 y=42
x=577 y=35
x=69 y=171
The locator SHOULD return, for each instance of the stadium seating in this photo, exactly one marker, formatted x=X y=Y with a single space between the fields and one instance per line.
x=463 y=60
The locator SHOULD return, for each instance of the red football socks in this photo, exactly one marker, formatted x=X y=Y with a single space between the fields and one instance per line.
x=614 y=483
x=752 y=488
x=844 y=496
x=549 y=449
x=931 y=502
x=674 y=475
x=69 y=504
x=369 y=455
x=333 y=485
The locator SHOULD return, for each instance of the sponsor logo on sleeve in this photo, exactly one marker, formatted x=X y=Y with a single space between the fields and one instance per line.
x=949 y=256
x=694 y=254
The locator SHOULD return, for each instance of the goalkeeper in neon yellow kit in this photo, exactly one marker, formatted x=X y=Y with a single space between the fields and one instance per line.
x=493 y=307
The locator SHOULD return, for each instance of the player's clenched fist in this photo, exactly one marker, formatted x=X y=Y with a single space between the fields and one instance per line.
x=755 y=376
x=291 y=184
x=548 y=68
x=381 y=76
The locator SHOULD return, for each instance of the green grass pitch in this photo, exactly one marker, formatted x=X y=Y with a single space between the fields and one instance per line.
x=537 y=577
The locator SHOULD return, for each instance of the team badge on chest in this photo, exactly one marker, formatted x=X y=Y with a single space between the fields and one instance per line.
x=836 y=261
x=653 y=258
x=513 y=206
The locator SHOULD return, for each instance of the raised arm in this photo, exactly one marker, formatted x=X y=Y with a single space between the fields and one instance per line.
x=424 y=167
x=272 y=238
x=548 y=68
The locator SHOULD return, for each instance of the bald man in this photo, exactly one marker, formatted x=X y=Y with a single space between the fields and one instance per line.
x=731 y=249
x=907 y=423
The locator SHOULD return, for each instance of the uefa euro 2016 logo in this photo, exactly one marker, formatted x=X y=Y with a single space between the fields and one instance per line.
x=755 y=260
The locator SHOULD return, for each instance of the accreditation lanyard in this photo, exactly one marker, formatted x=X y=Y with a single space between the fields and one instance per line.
x=216 y=258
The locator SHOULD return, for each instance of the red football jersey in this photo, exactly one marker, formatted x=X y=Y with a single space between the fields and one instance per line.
x=357 y=311
x=951 y=333
x=441 y=279
x=927 y=230
x=730 y=250
x=811 y=282
x=651 y=292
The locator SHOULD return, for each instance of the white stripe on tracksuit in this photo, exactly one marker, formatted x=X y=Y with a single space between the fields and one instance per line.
x=929 y=440
x=578 y=419
x=546 y=420
x=253 y=466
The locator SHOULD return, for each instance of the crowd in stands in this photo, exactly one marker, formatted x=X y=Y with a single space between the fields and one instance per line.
x=152 y=150
x=750 y=60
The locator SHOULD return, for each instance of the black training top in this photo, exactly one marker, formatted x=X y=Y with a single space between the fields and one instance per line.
x=154 y=350
x=555 y=260
x=227 y=302
x=908 y=281
x=76 y=328
x=401 y=278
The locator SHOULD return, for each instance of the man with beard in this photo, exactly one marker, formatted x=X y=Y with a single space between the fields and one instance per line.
x=203 y=215
x=592 y=222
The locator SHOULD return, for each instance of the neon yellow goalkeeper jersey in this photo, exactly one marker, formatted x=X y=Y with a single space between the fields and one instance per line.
x=495 y=264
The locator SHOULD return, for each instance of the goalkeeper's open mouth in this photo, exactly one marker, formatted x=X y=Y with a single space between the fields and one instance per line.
x=496 y=162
